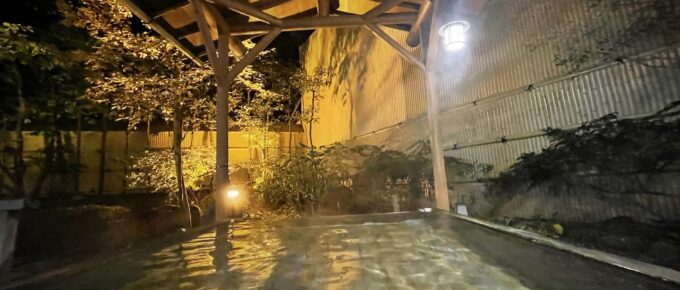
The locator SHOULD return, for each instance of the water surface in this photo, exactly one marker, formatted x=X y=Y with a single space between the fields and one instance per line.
x=390 y=251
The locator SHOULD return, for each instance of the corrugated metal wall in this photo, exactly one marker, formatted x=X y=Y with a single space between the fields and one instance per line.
x=504 y=85
x=364 y=95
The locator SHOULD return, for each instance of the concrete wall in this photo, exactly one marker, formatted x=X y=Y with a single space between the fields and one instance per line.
x=137 y=143
x=504 y=84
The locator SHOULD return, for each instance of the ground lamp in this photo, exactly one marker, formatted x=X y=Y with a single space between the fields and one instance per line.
x=234 y=201
x=232 y=194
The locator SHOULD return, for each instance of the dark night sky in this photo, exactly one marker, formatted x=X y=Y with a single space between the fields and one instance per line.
x=288 y=43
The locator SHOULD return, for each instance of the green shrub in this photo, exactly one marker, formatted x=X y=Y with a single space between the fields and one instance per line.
x=299 y=181
x=156 y=170
x=625 y=150
x=337 y=178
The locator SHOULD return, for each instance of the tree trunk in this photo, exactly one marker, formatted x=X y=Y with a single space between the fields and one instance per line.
x=148 y=142
x=311 y=121
x=126 y=151
x=102 y=152
x=148 y=132
x=265 y=137
x=60 y=162
x=46 y=168
x=182 y=195
x=79 y=142
x=290 y=125
x=19 y=164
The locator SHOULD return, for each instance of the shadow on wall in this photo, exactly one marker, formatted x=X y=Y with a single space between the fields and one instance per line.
x=347 y=58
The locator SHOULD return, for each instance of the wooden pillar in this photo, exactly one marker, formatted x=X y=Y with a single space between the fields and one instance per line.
x=222 y=167
x=436 y=147
x=220 y=64
x=438 y=165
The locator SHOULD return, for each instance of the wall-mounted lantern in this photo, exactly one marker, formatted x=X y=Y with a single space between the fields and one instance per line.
x=454 y=34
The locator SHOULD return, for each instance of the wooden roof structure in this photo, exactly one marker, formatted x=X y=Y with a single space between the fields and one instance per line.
x=176 y=19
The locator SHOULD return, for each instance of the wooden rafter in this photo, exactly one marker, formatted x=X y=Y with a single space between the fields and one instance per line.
x=382 y=8
x=304 y=21
x=400 y=49
x=413 y=38
x=252 y=54
x=223 y=27
x=311 y=23
x=323 y=7
x=204 y=30
x=167 y=9
x=249 y=10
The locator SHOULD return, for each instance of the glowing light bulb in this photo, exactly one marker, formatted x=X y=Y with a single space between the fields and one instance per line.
x=232 y=194
x=454 y=34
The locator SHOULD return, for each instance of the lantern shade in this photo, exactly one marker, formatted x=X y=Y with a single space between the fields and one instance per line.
x=454 y=34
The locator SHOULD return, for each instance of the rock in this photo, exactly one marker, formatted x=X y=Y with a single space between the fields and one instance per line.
x=664 y=251
x=559 y=229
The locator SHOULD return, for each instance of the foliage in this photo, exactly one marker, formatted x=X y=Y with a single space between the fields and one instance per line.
x=137 y=74
x=357 y=179
x=41 y=80
x=260 y=96
x=627 y=150
x=613 y=30
x=312 y=83
x=16 y=46
x=156 y=170
x=256 y=115
x=299 y=182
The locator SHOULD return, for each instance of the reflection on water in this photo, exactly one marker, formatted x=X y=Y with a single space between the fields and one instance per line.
x=395 y=255
x=239 y=256
x=404 y=251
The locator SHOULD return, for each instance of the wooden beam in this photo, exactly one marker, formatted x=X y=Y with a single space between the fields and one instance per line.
x=408 y=4
x=204 y=30
x=161 y=28
x=266 y=4
x=381 y=8
x=248 y=10
x=323 y=7
x=400 y=49
x=413 y=38
x=402 y=27
x=252 y=54
x=186 y=30
x=314 y=22
x=168 y=9
x=223 y=27
x=343 y=20
x=237 y=46
x=304 y=23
